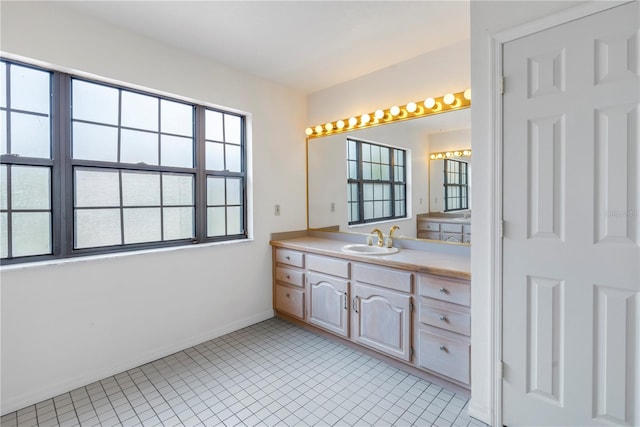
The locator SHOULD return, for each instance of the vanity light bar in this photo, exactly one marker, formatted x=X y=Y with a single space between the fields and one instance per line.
x=413 y=110
x=450 y=154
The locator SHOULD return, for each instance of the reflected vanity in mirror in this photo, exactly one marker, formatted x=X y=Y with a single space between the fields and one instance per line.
x=331 y=198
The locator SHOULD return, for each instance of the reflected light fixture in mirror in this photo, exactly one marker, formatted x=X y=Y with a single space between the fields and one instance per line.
x=412 y=110
x=450 y=154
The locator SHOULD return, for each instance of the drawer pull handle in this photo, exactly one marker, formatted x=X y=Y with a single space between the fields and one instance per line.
x=444 y=318
x=345 y=301
x=443 y=348
x=444 y=291
x=355 y=304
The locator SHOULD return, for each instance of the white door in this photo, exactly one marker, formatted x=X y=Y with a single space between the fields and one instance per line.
x=328 y=301
x=571 y=257
x=382 y=320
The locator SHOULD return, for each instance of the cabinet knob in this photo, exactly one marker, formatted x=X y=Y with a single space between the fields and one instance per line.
x=287 y=295
x=444 y=291
x=288 y=277
x=444 y=318
x=443 y=348
x=288 y=258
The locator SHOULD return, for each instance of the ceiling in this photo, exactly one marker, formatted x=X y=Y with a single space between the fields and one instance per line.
x=305 y=45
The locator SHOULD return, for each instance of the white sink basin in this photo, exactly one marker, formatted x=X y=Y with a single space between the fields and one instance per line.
x=461 y=219
x=362 y=249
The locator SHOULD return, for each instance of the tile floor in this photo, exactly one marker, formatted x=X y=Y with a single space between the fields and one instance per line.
x=271 y=373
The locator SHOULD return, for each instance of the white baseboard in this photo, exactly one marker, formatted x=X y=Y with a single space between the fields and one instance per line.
x=14 y=403
x=480 y=412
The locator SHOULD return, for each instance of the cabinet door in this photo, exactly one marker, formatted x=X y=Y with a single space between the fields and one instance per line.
x=382 y=320
x=328 y=303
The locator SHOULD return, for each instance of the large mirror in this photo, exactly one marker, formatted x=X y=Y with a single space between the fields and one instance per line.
x=328 y=195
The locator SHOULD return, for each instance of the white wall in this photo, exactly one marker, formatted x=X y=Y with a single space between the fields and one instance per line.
x=488 y=18
x=65 y=325
x=432 y=74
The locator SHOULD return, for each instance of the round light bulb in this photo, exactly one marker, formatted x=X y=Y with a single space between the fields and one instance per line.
x=439 y=156
x=429 y=102
x=340 y=124
x=318 y=129
x=433 y=157
x=353 y=121
x=395 y=110
x=365 y=118
x=412 y=107
x=457 y=154
x=466 y=153
x=449 y=99
x=448 y=154
x=308 y=131
x=378 y=114
x=467 y=94
x=329 y=127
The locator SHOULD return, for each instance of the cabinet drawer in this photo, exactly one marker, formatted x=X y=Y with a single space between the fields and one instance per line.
x=433 y=235
x=332 y=266
x=445 y=289
x=446 y=316
x=444 y=355
x=387 y=278
x=290 y=300
x=289 y=275
x=451 y=237
x=289 y=257
x=451 y=228
x=429 y=226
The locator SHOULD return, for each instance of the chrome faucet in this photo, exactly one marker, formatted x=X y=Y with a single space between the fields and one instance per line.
x=377 y=232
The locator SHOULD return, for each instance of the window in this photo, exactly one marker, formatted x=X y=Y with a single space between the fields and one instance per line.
x=377 y=188
x=90 y=168
x=456 y=185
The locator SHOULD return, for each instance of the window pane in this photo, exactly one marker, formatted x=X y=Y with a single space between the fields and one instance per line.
x=176 y=118
x=234 y=220
x=386 y=208
x=213 y=129
x=177 y=189
x=366 y=152
x=233 y=158
x=3 y=187
x=141 y=225
x=376 y=171
x=216 y=222
x=140 y=189
x=30 y=135
x=30 y=89
x=94 y=102
x=3 y=84
x=234 y=191
x=97 y=227
x=375 y=153
x=95 y=142
x=352 y=150
x=30 y=187
x=94 y=187
x=139 y=111
x=3 y=132
x=139 y=147
x=366 y=171
x=215 y=156
x=353 y=170
x=31 y=233
x=232 y=129
x=368 y=210
x=215 y=191
x=385 y=174
x=367 y=191
x=378 y=209
x=4 y=238
x=177 y=151
x=178 y=223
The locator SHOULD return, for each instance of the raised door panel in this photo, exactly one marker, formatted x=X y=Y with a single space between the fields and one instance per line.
x=328 y=303
x=382 y=320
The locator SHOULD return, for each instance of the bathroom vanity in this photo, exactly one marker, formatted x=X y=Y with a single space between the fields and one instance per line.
x=412 y=306
x=442 y=227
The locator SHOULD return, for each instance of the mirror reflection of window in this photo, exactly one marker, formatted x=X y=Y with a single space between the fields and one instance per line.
x=376 y=182
x=456 y=185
